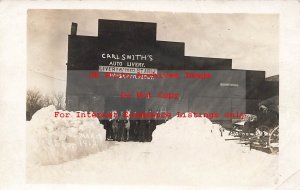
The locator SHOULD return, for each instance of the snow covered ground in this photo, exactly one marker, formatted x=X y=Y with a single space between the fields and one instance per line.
x=53 y=140
x=184 y=152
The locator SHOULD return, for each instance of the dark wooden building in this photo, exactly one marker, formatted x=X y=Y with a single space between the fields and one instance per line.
x=132 y=47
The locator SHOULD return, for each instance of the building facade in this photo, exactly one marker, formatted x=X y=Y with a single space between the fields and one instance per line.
x=206 y=85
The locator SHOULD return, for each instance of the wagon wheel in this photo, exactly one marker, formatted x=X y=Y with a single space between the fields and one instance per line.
x=263 y=130
x=274 y=140
x=234 y=132
x=261 y=135
x=231 y=131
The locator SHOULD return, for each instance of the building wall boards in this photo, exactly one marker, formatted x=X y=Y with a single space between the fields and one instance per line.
x=125 y=67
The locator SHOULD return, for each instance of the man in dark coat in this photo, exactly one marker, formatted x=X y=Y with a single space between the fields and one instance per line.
x=152 y=127
x=133 y=133
x=109 y=129
x=142 y=130
x=107 y=126
x=121 y=127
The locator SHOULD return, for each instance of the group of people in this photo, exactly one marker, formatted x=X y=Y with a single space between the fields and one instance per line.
x=126 y=129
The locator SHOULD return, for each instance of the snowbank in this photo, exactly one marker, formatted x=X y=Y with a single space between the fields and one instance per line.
x=191 y=136
x=184 y=152
x=204 y=157
x=54 y=140
x=186 y=131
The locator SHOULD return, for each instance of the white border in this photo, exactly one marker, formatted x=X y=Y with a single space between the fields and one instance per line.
x=13 y=74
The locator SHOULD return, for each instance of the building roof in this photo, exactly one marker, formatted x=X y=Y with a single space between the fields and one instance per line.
x=206 y=63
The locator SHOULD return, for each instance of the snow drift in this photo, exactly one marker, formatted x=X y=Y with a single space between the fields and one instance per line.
x=187 y=131
x=196 y=145
x=54 y=140
x=183 y=152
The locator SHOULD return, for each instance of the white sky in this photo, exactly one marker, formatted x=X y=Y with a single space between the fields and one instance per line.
x=250 y=40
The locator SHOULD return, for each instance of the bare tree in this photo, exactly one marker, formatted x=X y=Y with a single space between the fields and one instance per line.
x=34 y=102
x=47 y=101
x=58 y=100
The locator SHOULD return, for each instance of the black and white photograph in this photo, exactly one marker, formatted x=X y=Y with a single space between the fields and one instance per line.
x=152 y=98
x=112 y=96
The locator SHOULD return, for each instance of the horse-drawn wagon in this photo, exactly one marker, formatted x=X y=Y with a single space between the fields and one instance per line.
x=261 y=130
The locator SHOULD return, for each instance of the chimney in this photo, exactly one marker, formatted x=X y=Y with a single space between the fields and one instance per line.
x=74 y=29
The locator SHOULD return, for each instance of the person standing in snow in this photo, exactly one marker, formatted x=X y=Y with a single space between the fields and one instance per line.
x=121 y=127
x=136 y=129
x=134 y=124
x=152 y=127
x=107 y=126
x=147 y=127
x=141 y=130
